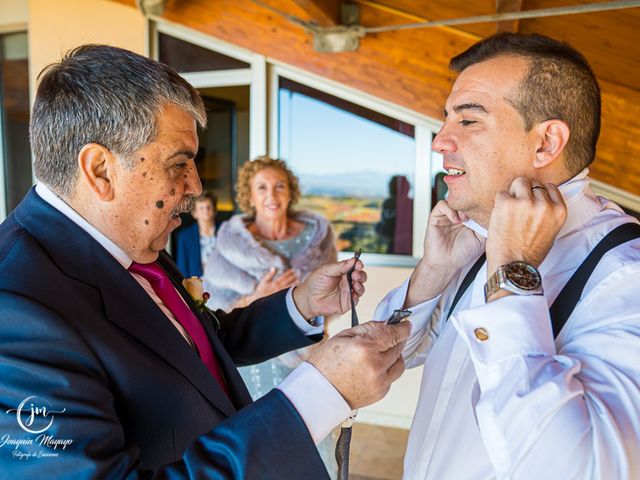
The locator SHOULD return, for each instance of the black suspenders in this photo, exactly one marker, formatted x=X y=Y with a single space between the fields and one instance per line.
x=468 y=280
x=568 y=297
x=570 y=294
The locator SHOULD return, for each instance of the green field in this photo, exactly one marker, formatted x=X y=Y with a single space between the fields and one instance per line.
x=353 y=220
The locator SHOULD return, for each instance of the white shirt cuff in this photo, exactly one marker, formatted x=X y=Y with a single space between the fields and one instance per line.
x=320 y=405
x=512 y=326
x=318 y=322
x=500 y=332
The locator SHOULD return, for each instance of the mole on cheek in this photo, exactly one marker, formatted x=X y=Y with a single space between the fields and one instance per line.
x=142 y=159
x=144 y=174
x=160 y=204
x=146 y=222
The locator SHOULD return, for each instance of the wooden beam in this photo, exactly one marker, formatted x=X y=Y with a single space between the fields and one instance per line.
x=323 y=12
x=504 y=6
x=413 y=17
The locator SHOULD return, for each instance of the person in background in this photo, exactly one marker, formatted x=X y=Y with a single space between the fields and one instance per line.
x=396 y=217
x=195 y=242
x=267 y=248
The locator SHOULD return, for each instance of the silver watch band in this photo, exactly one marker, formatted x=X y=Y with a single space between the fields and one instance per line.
x=492 y=285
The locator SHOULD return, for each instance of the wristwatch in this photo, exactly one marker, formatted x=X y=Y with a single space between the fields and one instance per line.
x=515 y=277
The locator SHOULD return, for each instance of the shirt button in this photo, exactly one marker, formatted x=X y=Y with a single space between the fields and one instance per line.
x=481 y=334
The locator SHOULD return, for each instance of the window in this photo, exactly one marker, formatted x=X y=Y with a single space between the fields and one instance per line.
x=356 y=167
x=186 y=57
x=225 y=77
x=363 y=163
x=222 y=75
x=15 y=151
x=628 y=201
x=224 y=145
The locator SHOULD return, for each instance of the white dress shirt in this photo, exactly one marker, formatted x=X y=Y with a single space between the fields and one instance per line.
x=308 y=390
x=520 y=405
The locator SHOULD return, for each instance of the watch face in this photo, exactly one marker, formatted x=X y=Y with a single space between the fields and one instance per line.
x=523 y=275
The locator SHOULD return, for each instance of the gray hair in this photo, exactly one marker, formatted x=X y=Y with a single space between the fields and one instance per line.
x=105 y=95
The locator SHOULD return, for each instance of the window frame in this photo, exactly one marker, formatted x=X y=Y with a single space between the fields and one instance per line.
x=621 y=197
x=263 y=79
x=425 y=128
x=18 y=27
x=254 y=76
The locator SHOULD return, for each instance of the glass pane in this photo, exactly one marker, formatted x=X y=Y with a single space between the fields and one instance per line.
x=223 y=146
x=187 y=57
x=14 y=119
x=356 y=167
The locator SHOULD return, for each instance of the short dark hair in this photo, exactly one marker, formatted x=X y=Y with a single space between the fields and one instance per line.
x=559 y=84
x=204 y=197
x=105 y=95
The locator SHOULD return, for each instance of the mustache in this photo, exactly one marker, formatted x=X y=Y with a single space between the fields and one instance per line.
x=184 y=206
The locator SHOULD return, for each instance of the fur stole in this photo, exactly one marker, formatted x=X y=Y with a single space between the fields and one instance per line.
x=239 y=261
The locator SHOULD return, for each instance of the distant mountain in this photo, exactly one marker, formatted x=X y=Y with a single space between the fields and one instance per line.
x=354 y=184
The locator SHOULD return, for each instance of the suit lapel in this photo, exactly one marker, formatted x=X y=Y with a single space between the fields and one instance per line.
x=131 y=308
x=235 y=384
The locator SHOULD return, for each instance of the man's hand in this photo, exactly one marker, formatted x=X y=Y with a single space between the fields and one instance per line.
x=448 y=246
x=524 y=223
x=363 y=361
x=326 y=292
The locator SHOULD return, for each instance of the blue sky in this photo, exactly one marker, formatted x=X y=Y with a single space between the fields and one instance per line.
x=320 y=139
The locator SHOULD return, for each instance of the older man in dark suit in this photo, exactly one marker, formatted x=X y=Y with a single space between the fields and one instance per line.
x=109 y=368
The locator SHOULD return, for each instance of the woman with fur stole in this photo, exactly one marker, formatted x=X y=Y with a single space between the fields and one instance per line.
x=266 y=249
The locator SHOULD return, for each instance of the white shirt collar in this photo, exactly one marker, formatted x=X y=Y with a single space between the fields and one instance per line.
x=573 y=190
x=59 y=204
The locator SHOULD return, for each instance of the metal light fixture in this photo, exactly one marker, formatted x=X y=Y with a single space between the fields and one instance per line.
x=151 y=7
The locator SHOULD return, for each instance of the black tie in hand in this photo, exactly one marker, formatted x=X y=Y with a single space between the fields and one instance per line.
x=344 y=441
x=342 y=447
x=354 y=315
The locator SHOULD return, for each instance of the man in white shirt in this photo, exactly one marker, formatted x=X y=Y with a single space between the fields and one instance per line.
x=109 y=368
x=500 y=397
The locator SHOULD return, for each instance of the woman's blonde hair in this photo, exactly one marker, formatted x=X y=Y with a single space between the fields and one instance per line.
x=249 y=170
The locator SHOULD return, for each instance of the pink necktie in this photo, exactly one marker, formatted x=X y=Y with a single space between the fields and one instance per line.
x=163 y=287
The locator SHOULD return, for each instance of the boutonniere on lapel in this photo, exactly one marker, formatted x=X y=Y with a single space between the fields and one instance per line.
x=195 y=289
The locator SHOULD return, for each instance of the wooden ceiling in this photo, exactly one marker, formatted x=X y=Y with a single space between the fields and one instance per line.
x=409 y=67
x=608 y=39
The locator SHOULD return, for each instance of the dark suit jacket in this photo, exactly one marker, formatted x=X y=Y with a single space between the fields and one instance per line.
x=188 y=256
x=77 y=331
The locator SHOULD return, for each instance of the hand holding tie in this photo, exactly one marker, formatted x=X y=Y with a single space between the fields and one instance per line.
x=362 y=362
x=326 y=291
